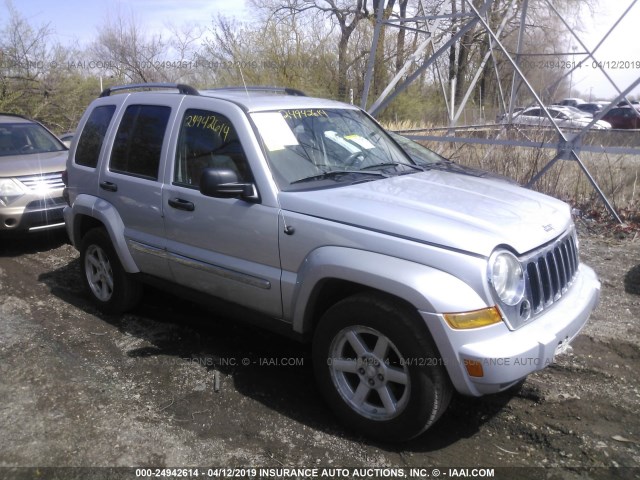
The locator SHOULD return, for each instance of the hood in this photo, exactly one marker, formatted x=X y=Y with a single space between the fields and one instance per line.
x=449 y=166
x=31 y=164
x=455 y=211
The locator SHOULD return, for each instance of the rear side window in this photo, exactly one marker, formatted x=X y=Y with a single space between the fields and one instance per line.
x=92 y=136
x=138 y=143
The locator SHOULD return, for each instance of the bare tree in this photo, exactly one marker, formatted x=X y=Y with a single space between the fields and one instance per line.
x=183 y=48
x=25 y=54
x=400 y=41
x=34 y=78
x=344 y=14
x=132 y=55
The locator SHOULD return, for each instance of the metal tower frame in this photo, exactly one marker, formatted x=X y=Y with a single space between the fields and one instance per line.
x=569 y=144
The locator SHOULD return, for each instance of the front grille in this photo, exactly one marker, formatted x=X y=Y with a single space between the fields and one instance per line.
x=550 y=273
x=42 y=181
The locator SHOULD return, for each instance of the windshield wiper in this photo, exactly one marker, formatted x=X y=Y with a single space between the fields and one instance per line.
x=338 y=173
x=393 y=164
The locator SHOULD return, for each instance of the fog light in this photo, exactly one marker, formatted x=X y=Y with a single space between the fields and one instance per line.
x=473 y=319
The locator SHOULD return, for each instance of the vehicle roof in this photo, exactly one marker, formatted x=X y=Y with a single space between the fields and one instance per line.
x=13 y=118
x=259 y=101
x=251 y=99
x=623 y=107
x=563 y=108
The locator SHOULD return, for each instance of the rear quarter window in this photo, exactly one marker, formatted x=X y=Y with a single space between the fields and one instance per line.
x=92 y=137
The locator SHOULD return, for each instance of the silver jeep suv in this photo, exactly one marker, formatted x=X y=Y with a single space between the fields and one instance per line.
x=410 y=279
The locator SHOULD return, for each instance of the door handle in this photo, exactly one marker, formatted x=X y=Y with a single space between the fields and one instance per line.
x=109 y=186
x=181 y=204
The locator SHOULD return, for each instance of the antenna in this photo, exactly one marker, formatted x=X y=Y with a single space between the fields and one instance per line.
x=242 y=77
x=288 y=229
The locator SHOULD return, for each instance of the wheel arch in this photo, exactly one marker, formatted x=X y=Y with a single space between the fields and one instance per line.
x=330 y=274
x=91 y=212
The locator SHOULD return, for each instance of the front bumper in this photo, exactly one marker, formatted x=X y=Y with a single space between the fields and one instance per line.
x=507 y=356
x=38 y=214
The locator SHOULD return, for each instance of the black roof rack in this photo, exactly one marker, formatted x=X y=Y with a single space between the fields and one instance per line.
x=264 y=89
x=181 y=87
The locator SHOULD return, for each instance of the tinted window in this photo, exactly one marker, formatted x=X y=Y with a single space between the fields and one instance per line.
x=92 y=136
x=138 y=143
x=207 y=140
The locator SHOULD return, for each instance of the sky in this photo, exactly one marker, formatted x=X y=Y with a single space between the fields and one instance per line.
x=75 y=22
x=620 y=52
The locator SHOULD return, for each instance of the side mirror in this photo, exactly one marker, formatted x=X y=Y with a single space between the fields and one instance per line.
x=223 y=183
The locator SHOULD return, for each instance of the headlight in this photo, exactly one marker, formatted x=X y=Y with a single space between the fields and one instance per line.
x=506 y=277
x=9 y=191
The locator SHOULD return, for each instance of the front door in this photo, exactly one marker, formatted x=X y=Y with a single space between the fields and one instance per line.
x=224 y=247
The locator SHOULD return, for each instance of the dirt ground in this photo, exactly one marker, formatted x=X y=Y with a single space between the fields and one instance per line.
x=173 y=385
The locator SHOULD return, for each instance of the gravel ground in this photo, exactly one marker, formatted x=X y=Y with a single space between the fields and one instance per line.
x=174 y=385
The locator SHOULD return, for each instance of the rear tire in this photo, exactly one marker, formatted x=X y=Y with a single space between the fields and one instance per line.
x=111 y=288
x=378 y=368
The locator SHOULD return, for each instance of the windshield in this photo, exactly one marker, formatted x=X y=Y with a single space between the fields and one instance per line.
x=325 y=147
x=418 y=153
x=26 y=138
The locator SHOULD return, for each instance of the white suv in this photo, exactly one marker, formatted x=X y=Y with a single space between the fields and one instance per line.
x=411 y=279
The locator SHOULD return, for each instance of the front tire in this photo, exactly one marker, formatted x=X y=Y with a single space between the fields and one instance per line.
x=111 y=288
x=378 y=368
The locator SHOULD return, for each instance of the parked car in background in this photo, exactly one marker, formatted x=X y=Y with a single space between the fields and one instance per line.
x=66 y=138
x=32 y=160
x=575 y=111
x=623 y=117
x=564 y=116
x=624 y=103
x=500 y=118
x=592 y=108
x=571 y=102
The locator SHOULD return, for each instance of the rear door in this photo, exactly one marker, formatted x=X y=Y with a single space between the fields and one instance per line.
x=131 y=180
x=226 y=247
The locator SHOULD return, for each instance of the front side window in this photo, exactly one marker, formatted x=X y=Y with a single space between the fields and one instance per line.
x=207 y=140
x=92 y=136
x=329 y=145
x=138 y=143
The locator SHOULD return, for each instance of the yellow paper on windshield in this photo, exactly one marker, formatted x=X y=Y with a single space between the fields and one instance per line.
x=274 y=130
x=363 y=142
